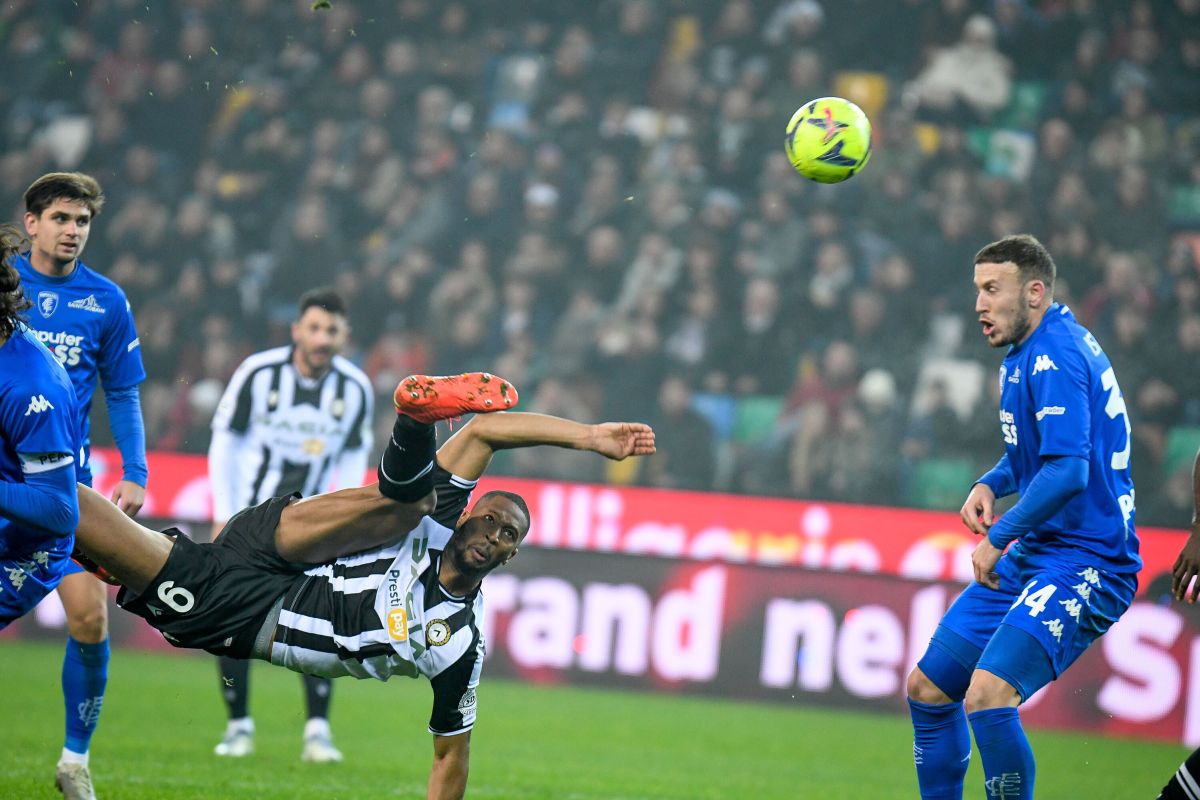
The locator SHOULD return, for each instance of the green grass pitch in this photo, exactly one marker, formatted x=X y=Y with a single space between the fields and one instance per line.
x=163 y=715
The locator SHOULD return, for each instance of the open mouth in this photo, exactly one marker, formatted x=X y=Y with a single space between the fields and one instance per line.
x=988 y=327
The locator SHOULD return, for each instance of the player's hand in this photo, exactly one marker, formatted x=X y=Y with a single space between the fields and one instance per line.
x=1187 y=567
x=977 y=512
x=619 y=440
x=984 y=561
x=129 y=497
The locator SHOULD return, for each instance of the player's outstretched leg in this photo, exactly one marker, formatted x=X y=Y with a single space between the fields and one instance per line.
x=130 y=553
x=429 y=398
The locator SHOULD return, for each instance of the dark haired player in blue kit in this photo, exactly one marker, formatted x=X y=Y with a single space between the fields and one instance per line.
x=39 y=441
x=1072 y=568
x=39 y=438
x=85 y=320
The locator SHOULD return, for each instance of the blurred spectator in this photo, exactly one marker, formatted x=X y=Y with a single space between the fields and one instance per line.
x=686 y=457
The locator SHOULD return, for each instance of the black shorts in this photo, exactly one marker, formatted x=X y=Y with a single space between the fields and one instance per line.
x=215 y=597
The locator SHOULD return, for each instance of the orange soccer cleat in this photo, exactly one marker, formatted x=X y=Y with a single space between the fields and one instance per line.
x=429 y=398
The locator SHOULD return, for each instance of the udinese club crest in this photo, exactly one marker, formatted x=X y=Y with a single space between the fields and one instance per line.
x=437 y=632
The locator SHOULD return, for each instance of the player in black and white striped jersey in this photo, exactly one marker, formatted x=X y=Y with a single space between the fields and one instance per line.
x=377 y=581
x=292 y=419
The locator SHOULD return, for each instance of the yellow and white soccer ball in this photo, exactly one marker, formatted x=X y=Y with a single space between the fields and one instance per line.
x=828 y=140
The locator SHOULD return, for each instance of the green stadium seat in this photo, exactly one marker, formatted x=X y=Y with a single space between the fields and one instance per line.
x=755 y=416
x=941 y=483
x=1180 y=452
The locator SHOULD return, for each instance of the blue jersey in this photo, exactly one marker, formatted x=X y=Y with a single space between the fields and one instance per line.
x=85 y=320
x=39 y=432
x=1059 y=397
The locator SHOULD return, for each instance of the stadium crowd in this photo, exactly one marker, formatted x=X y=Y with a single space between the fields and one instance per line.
x=593 y=201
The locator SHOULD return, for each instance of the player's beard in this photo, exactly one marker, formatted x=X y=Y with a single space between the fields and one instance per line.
x=1020 y=328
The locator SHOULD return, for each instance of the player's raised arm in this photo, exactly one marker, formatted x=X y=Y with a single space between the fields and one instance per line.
x=468 y=453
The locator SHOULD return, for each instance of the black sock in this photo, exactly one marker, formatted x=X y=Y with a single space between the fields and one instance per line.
x=317 y=692
x=235 y=685
x=406 y=469
x=1183 y=783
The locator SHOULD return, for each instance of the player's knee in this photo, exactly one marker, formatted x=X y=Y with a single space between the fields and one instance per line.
x=923 y=690
x=989 y=691
x=89 y=624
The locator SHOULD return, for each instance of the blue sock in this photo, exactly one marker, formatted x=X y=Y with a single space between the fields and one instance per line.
x=941 y=749
x=1008 y=768
x=84 y=676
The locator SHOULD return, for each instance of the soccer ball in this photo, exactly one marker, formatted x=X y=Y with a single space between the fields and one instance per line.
x=828 y=140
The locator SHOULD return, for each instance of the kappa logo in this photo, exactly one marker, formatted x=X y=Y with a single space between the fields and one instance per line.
x=47 y=303
x=38 y=404
x=1043 y=364
x=87 y=304
x=397 y=624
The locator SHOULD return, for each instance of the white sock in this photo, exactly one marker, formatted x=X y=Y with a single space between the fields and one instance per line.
x=71 y=757
x=240 y=725
x=317 y=726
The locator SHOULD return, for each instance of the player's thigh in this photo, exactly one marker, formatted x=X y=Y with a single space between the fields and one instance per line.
x=133 y=553
x=85 y=601
x=1060 y=610
x=965 y=630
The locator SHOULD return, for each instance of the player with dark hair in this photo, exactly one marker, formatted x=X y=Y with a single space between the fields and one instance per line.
x=293 y=419
x=39 y=436
x=376 y=581
x=1185 y=783
x=85 y=320
x=39 y=439
x=1071 y=570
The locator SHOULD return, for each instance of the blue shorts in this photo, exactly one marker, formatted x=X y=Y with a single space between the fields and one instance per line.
x=25 y=581
x=1061 y=606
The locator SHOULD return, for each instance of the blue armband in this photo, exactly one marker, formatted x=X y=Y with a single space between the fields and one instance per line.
x=125 y=419
x=1058 y=480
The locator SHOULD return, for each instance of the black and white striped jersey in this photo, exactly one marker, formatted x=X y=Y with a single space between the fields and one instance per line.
x=276 y=432
x=382 y=612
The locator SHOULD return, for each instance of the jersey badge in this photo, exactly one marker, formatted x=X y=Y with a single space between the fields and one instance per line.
x=47 y=303
x=437 y=632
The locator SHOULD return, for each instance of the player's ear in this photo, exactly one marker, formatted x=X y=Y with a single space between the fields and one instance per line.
x=1035 y=293
x=31 y=221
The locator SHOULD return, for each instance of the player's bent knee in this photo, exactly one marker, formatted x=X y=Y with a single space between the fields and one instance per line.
x=990 y=691
x=923 y=690
x=89 y=627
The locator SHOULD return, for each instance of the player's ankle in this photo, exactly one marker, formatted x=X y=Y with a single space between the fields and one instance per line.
x=317 y=726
